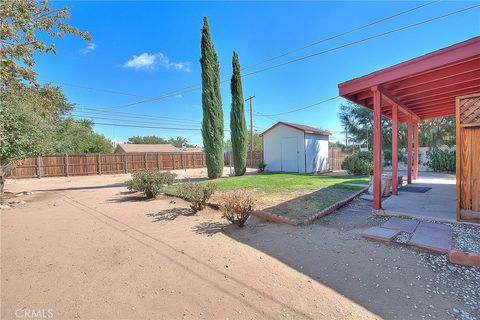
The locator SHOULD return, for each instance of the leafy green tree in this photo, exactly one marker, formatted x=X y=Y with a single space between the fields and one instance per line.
x=179 y=142
x=26 y=27
x=212 y=124
x=238 y=125
x=77 y=136
x=257 y=142
x=146 y=140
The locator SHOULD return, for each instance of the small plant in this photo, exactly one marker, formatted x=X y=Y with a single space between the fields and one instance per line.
x=441 y=160
x=237 y=206
x=150 y=182
x=261 y=166
x=360 y=163
x=197 y=193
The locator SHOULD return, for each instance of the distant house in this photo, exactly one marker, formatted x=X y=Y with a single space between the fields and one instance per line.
x=142 y=148
x=193 y=149
x=291 y=147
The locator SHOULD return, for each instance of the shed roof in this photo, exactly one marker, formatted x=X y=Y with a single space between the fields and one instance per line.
x=301 y=127
x=424 y=87
x=133 y=147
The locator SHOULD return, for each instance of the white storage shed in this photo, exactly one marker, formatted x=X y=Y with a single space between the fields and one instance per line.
x=291 y=147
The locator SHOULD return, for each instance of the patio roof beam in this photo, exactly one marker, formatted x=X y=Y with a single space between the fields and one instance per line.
x=393 y=100
x=377 y=148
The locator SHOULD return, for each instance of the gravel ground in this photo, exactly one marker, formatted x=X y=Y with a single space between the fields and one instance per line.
x=402 y=238
x=466 y=237
x=458 y=281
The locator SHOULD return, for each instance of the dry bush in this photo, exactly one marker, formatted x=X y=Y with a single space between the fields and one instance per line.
x=237 y=206
x=197 y=193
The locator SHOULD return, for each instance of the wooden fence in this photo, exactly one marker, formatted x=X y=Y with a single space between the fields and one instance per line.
x=251 y=161
x=336 y=158
x=93 y=164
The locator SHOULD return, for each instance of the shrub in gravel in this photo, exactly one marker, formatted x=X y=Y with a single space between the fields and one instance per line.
x=197 y=193
x=150 y=182
x=237 y=206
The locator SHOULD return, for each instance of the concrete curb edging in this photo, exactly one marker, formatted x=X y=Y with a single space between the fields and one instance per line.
x=471 y=259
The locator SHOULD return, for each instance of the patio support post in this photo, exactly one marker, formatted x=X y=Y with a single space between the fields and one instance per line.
x=409 y=147
x=395 y=149
x=377 y=149
x=415 y=150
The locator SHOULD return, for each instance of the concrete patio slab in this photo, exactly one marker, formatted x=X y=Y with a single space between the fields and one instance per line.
x=405 y=225
x=432 y=236
x=379 y=233
x=436 y=204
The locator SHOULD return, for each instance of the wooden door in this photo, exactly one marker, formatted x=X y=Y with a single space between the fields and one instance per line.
x=468 y=157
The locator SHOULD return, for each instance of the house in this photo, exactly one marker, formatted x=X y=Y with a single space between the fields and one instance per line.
x=291 y=147
x=445 y=82
x=193 y=149
x=143 y=148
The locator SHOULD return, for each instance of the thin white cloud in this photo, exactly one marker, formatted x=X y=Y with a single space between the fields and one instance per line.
x=152 y=60
x=89 y=48
x=178 y=96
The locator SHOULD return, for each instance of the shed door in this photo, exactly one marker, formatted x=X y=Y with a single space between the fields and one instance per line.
x=289 y=154
x=468 y=157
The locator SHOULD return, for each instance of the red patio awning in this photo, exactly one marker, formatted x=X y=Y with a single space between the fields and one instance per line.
x=424 y=87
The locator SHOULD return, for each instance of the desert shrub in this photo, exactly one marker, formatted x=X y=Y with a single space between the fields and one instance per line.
x=261 y=166
x=150 y=182
x=197 y=193
x=237 y=206
x=360 y=163
x=441 y=160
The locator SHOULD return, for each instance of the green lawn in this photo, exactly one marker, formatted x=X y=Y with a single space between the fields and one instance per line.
x=276 y=182
x=296 y=196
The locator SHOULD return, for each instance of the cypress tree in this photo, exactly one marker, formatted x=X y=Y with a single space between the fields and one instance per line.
x=212 y=124
x=238 y=126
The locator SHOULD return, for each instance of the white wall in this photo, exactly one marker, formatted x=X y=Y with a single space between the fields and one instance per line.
x=316 y=147
x=272 y=147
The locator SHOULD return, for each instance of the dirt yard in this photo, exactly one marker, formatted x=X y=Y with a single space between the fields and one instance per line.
x=85 y=248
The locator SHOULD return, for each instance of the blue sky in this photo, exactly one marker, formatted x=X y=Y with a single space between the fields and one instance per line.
x=151 y=48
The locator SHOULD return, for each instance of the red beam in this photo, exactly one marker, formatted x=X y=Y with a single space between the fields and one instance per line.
x=435 y=86
x=393 y=100
x=462 y=51
x=395 y=149
x=409 y=147
x=458 y=90
x=377 y=149
x=434 y=75
x=415 y=142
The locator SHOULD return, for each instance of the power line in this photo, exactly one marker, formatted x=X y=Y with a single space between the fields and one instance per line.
x=338 y=35
x=123 y=120
x=359 y=41
x=135 y=115
x=300 y=109
x=138 y=126
x=194 y=88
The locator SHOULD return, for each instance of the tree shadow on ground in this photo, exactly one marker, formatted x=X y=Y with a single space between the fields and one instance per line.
x=209 y=228
x=170 y=214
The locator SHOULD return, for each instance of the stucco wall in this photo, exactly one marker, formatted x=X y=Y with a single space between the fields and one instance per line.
x=272 y=147
x=317 y=153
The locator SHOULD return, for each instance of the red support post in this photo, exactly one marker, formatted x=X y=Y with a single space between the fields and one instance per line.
x=415 y=150
x=395 y=149
x=377 y=149
x=409 y=147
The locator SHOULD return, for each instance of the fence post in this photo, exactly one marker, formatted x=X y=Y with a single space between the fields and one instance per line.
x=193 y=157
x=65 y=160
x=38 y=168
x=173 y=161
x=99 y=164
x=125 y=163
x=182 y=164
x=158 y=160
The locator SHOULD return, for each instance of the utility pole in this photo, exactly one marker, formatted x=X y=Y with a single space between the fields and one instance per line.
x=251 y=129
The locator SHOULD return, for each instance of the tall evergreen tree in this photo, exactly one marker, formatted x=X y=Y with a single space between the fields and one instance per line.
x=212 y=124
x=238 y=126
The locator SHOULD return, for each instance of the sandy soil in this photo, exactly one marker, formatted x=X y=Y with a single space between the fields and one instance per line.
x=84 y=248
